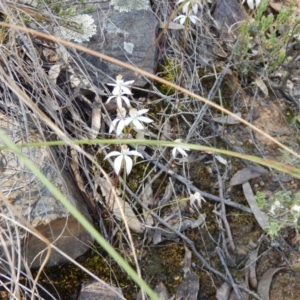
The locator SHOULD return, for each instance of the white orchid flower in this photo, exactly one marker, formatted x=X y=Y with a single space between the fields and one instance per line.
x=120 y=120
x=179 y=149
x=135 y=117
x=189 y=16
x=121 y=87
x=120 y=99
x=196 y=198
x=252 y=3
x=123 y=159
x=194 y=4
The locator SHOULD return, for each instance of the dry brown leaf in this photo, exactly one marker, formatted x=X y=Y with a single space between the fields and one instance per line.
x=264 y=284
x=227 y=120
x=252 y=268
x=50 y=55
x=189 y=223
x=167 y=195
x=189 y=287
x=260 y=83
x=147 y=198
x=276 y=6
x=220 y=159
x=246 y=174
x=234 y=296
x=166 y=131
x=133 y=221
x=115 y=203
x=162 y=292
x=260 y=216
x=76 y=81
x=223 y=291
x=55 y=71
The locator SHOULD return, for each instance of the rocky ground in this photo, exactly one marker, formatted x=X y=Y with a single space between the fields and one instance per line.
x=203 y=224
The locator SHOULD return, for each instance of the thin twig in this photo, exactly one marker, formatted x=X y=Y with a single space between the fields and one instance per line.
x=233 y=284
x=223 y=214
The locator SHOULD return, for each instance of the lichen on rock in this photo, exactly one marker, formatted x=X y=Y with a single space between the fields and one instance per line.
x=87 y=27
x=126 y=6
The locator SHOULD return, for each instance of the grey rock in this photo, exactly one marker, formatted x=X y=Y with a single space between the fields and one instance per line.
x=126 y=30
x=26 y=200
x=97 y=291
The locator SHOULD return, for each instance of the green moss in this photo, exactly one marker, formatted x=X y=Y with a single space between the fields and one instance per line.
x=168 y=70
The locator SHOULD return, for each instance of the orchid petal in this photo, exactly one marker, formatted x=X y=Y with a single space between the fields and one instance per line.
x=185 y=7
x=195 y=8
x=182 y=152
x=133 y=152
x=109 y=98
x=128 y=120
x=126 y=100
x=118 y=164
x=142 y=111
x=194 y=19
x=117 y=91
x=120 y=127
x=114 y=153
x=174 y=152
x=119 y=101
x=145 y=119
x=181 y=19
x=126 y=90
x=129 y=82
x=113 y=125
x=128 y=164
x=137 y=124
